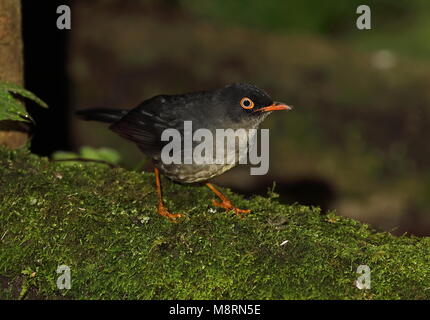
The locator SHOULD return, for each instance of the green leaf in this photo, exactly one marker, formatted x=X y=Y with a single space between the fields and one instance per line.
x=64 y=155
x=89 y=153
x=105 y=154
x=10 y=107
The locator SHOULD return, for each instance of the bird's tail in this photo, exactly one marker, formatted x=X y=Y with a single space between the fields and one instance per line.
x=101 y=115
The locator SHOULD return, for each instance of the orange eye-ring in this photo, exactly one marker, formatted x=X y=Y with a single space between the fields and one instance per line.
x=246 y=103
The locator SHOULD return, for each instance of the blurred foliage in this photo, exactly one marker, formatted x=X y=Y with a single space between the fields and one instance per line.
x=10 y=107
x=403 y=25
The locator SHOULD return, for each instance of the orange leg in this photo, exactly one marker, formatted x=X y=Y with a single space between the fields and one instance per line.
x=225 y=203
x=161 y=208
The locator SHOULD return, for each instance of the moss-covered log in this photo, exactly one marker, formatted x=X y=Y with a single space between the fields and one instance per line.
x=101 y=222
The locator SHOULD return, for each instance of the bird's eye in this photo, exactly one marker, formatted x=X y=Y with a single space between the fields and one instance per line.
x=246 y=103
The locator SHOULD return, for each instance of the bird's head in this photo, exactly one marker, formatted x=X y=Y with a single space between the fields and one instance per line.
x=245 y=102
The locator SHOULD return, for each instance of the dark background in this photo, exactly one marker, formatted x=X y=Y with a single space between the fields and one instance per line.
x=356 y=141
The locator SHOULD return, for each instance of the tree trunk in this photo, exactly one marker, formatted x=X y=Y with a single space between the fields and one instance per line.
x=11 y=65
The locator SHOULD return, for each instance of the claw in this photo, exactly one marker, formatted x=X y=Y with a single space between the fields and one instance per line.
x=226 y=204
x=162 y=210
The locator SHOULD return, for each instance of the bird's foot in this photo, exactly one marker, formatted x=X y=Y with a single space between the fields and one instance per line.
x=162 y=210
x=227 y=205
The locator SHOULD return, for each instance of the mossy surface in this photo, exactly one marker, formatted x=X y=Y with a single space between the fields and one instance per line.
x=102 y=223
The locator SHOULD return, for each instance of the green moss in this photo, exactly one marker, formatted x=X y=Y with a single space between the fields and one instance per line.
x=102 y=223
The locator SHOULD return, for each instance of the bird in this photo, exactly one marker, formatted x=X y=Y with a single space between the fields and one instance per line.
x=235 y=106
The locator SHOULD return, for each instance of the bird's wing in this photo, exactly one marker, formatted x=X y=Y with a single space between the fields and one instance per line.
x=145 y=124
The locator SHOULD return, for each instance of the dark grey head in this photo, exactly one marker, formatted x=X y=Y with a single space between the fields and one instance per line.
x=245 y=102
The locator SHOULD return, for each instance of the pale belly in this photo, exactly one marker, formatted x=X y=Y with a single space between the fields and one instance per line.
x=191 y=173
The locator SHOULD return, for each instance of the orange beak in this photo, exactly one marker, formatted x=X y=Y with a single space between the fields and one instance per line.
x=275 y=106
